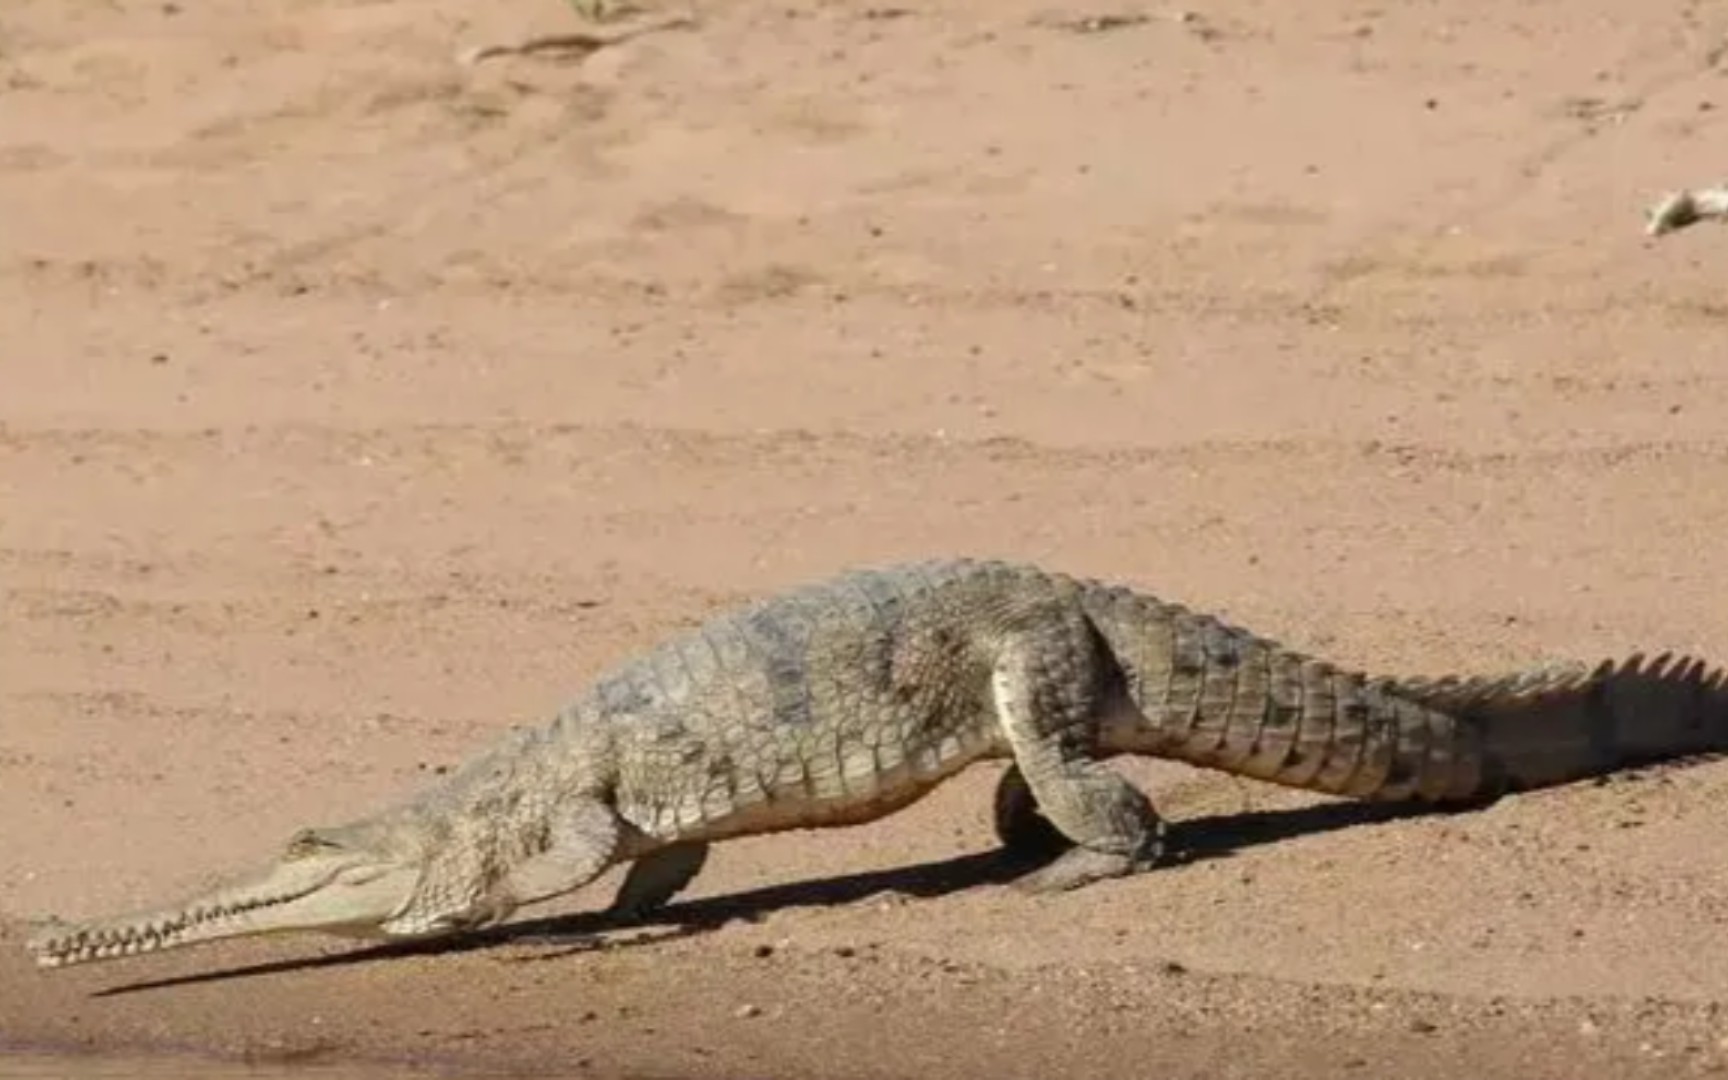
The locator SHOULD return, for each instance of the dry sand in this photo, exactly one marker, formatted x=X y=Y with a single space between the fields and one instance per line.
x=355 y=403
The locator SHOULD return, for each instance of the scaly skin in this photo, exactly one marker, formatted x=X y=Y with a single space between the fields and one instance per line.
x=842 y=702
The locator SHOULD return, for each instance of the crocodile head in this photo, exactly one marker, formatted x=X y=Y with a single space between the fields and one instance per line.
x=354 y=881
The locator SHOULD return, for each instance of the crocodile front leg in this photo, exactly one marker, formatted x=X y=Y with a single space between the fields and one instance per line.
x=655 y=878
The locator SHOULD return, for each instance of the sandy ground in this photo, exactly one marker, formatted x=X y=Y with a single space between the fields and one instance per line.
x=355 y=403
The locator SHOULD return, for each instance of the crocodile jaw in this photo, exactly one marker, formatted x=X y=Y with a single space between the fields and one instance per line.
x=340 y=893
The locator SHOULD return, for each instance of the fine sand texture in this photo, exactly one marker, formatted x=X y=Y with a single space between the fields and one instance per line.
x=357 y=402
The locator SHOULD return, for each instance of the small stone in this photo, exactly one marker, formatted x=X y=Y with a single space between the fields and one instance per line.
x=762 y=952
x=1423 y=1027
x=1588 y=1028
x=747 y=1012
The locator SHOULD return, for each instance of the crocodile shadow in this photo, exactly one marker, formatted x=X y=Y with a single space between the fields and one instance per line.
x=1189 y=842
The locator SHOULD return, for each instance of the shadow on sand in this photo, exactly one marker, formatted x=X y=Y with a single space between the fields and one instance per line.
x=1189 y=842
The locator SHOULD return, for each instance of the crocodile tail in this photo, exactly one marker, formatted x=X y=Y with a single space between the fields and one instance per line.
x=1553 y=725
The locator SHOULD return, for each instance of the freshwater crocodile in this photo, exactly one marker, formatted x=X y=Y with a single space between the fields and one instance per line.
x=841 y=702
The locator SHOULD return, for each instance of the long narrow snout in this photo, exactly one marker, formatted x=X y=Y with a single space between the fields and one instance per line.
x=335 y=894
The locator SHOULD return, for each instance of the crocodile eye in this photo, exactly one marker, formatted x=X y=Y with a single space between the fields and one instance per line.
x=308 y=842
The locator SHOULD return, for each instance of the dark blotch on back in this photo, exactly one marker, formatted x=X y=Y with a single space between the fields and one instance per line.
x=781 y=634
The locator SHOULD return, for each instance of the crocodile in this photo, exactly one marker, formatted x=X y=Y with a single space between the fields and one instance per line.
x=840 y=702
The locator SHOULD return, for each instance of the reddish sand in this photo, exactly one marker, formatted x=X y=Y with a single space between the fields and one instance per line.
x=355 y=403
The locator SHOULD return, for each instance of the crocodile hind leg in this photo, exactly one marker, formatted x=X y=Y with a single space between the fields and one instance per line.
x=1026 y=834
x=1052 y=701
x=656 y=878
